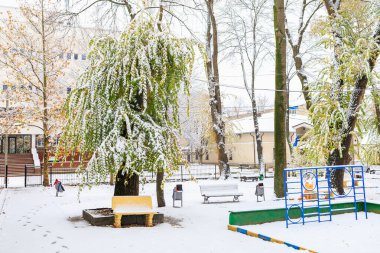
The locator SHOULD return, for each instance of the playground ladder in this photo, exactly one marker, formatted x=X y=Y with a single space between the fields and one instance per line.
x=321 y=204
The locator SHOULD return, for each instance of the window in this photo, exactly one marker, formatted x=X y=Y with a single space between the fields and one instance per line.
x=39 y=141
x=27 y=142
x=292 y=111
x=68 y=90
x=68 y=56
x=230 y=155
x=55 y=141
x=207 y=157
x=5 y=87
x=60 y=56
x=12 y=145
x=75 y=56
x=84 y=57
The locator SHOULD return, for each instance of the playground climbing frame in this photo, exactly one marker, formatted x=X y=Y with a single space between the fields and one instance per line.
x=309 y=195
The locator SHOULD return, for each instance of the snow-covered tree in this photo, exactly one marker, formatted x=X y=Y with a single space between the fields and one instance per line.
x=352 y=33
x=249 y=42
x=212 y=71
x=123 y=114
x=196 y=124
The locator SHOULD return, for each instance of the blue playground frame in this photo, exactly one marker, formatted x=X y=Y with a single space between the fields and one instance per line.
x=309 y=190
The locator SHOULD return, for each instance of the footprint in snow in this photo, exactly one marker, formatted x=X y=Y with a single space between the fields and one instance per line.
x=59 y=237
x=64 y=246
x=33 y=229
x=45 y=235
x=47 y=231
x=54 y=242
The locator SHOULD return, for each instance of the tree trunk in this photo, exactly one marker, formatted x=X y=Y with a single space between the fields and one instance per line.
x=296 y=45
x=112 y=179
x=377 y=110
x=258 y=138
x=302 y=76
x=288 y=139
x=335 y=158
x=160 y=172
x=280 y=98
x=126 y=185
x=214 y=89
x=45 y=169
x=44 y=95
x=160 y=189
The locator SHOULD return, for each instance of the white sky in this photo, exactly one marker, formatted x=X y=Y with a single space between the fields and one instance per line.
x=230 y=72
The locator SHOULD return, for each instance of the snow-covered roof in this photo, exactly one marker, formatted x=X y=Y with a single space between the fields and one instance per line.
x=266 y=123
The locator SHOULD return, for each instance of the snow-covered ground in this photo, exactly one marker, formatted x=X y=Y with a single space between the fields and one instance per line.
x=343 y=234
x=34 y=220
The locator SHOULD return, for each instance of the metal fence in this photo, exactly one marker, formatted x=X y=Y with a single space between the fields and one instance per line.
x=29 y=175
x=210 y=171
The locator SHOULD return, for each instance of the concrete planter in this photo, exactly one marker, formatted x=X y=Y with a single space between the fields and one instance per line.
x=105 y=217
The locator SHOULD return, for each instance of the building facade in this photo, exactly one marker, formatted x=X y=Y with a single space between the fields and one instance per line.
x=241 y=146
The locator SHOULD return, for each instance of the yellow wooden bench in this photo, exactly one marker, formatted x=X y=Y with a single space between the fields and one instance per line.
x=133 y=205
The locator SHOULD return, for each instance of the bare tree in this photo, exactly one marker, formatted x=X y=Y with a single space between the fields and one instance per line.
x=212 y=69
x=249 y=40
x=197 y=123
x=308 y=10
x=33 y=60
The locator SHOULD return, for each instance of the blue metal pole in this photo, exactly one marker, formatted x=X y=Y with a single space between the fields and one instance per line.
x=317 y=187
x=328 y=171
x=286 y=197
x=301 y=187
x=364 y=197
x=353 y=188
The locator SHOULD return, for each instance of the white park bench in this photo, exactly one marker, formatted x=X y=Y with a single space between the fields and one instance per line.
x=252 y=174
x=220 y=190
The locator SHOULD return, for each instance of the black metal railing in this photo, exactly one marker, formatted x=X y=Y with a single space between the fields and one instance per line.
x=30 y=175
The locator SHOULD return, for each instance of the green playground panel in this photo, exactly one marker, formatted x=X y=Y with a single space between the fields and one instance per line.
x=270 y=215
